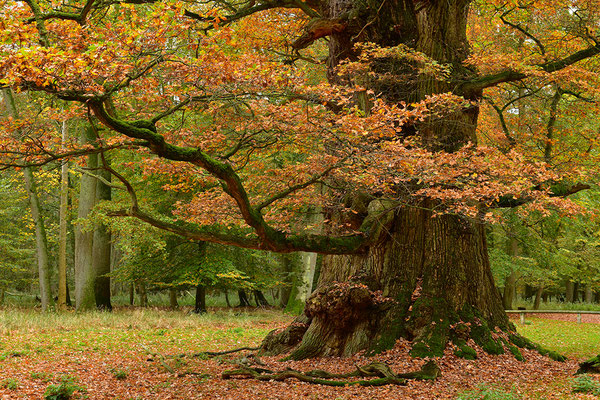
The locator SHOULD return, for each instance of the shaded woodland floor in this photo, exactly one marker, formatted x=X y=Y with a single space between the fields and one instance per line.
x=127 y=355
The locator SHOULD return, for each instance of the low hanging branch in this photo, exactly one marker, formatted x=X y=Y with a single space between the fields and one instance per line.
x=385 y=376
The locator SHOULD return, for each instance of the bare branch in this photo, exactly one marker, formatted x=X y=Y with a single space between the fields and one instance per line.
x=523 y=31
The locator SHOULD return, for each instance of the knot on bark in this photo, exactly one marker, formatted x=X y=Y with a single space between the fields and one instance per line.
x=280 y=341
x=343 y=303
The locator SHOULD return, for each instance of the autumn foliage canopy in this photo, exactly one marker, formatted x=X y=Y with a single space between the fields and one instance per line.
x=228 y=108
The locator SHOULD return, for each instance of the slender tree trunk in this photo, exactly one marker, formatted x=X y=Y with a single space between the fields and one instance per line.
x=85 y=276
x=141 y=286
x=200 y=306
x=131 y=293
x=63 y=226
x=575 y=292
x=510 y=284
x=68 y=293
x=101 y=249
x=288 y=279
x=41 y=240
x=426 y=279
x=173 y=299
x=538 y=297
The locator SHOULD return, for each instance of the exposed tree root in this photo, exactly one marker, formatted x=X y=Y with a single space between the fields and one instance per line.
x=591 y=366
x=385 y=376
x=213 y=353
x=206 y=354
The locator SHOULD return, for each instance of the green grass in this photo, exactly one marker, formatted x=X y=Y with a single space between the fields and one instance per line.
x=29 y=333
x=559 y=305
x=567 y=338
x=488 y=392
x=586 y=384
x=9 y=383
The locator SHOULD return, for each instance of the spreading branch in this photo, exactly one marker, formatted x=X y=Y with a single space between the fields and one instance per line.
x=317 y=29
x=473 y=88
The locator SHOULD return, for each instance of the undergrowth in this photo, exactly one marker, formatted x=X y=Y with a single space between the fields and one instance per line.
x=488 y=392
x=586 y=384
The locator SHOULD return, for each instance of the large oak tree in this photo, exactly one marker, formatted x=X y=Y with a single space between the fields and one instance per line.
x=218 y=99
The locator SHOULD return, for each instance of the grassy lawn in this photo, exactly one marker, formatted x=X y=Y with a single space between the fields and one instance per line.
x=568 y=338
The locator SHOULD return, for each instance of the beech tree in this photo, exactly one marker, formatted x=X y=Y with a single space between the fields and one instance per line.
x=218 y=96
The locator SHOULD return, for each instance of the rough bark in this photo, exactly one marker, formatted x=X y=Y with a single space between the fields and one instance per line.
x=427 y=278
x=85 y=276
x=101 y=249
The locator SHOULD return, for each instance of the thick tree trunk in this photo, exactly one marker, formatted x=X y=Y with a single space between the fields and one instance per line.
x=419 y=283
x=589 y=294
x=141 y=288
x=85 y=276
x=570 y=289
x=428 y=278
x=200 y=306
x=244 y=302
x=101 y=249
x=260 y=299
x=575 y=292
x=173 y=299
